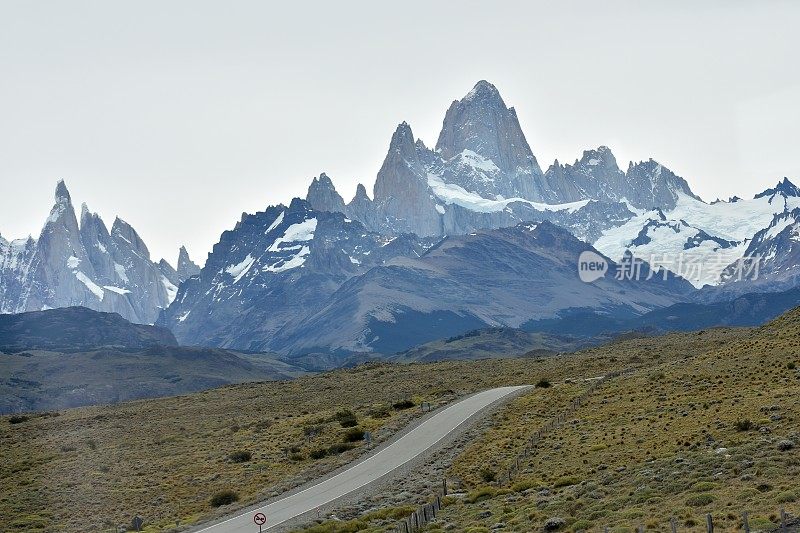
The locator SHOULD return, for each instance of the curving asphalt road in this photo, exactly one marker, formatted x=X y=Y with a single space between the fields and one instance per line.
x=414 y=443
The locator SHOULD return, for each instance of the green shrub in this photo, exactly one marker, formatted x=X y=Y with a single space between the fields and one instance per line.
x=703 y=486
x=787 y=497
x=566 y=481
x=224 y=497
x=336 y=449
x=522 y=486
x=346 y=418
x=581 y=525
x=700 y=500
x=791 y=365
x=18 y=419
x=478 y=495
x=403 y=404
x=488 y=475
x=544 y=383
x=297 y=457
x=312 y=431
x=319 y=453
x=745 y=424
x=354 y=435
x=381 y=411
x=240 y=456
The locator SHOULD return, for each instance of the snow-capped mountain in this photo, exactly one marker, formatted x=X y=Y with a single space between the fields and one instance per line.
x=483 y=174
x=425 y=253
x=699 y=241
x=772 y=256
x=274 y=267
x=299 y=281
x=84 y=264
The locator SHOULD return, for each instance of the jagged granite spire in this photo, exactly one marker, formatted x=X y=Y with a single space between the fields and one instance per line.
x=649 y=184
x=186 y=267
x=784 y=188
x=322 y=195
x=487 y=135
x=402 y=195
x=594 y=176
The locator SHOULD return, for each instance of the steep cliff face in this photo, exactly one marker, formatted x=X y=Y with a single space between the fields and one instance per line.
x=486 y=151
x=322 y=195
x=595 y=175
x=649 y=184
x=402 y=195
x=82 y=264
x=273 y=267
x=483 y=174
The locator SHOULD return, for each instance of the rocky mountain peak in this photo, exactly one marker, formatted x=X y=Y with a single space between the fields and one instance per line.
x=481 y=123
x=361 y=191
x=602 y=157
x=483 y=90
x=61 y=191
x=322 y=195
x=122 y=230
x=784 y=188
x=650 y=184
x=62 y=208
x=402 y=142
x=186 y=267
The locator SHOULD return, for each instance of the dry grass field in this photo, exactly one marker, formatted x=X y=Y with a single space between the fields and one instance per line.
x=91 y=469
x=706 y=427
x=670 y=439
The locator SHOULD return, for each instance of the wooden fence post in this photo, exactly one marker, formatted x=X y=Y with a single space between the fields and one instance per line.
x=709 y=523
x=673 y=524
x=783 y=520
x=444 y=487
x=746 y=522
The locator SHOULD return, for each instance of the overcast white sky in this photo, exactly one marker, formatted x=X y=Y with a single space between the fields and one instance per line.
x=178 y=116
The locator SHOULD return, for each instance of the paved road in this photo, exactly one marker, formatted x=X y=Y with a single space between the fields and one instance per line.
x=392 y=457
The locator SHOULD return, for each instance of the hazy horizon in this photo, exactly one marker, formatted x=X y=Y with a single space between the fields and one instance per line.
x=179 y=117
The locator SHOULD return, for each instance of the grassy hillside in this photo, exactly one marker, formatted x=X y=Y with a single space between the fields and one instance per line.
x=702 y=429
x=76 y=329
x=166 y=458
x=669 y=438
x=488 y=343
x=37 y=380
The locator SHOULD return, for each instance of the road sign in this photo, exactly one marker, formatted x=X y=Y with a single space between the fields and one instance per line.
x=260 y=519
x=137 y=523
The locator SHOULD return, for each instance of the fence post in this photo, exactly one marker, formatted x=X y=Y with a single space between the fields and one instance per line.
x=709 y=523
x=746 y=522
x=783 y=520
x=444 y=487
x=673 y=524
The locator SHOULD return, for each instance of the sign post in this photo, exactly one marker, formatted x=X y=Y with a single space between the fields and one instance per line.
x=260 y=519
x=137 y=523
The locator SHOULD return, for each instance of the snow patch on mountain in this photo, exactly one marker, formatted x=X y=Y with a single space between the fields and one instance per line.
x=91 y=285
x=118 y=290
x=294 y=261
x=450 y=193
x=240 y=269
x=276 y=223
x=300 y=232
